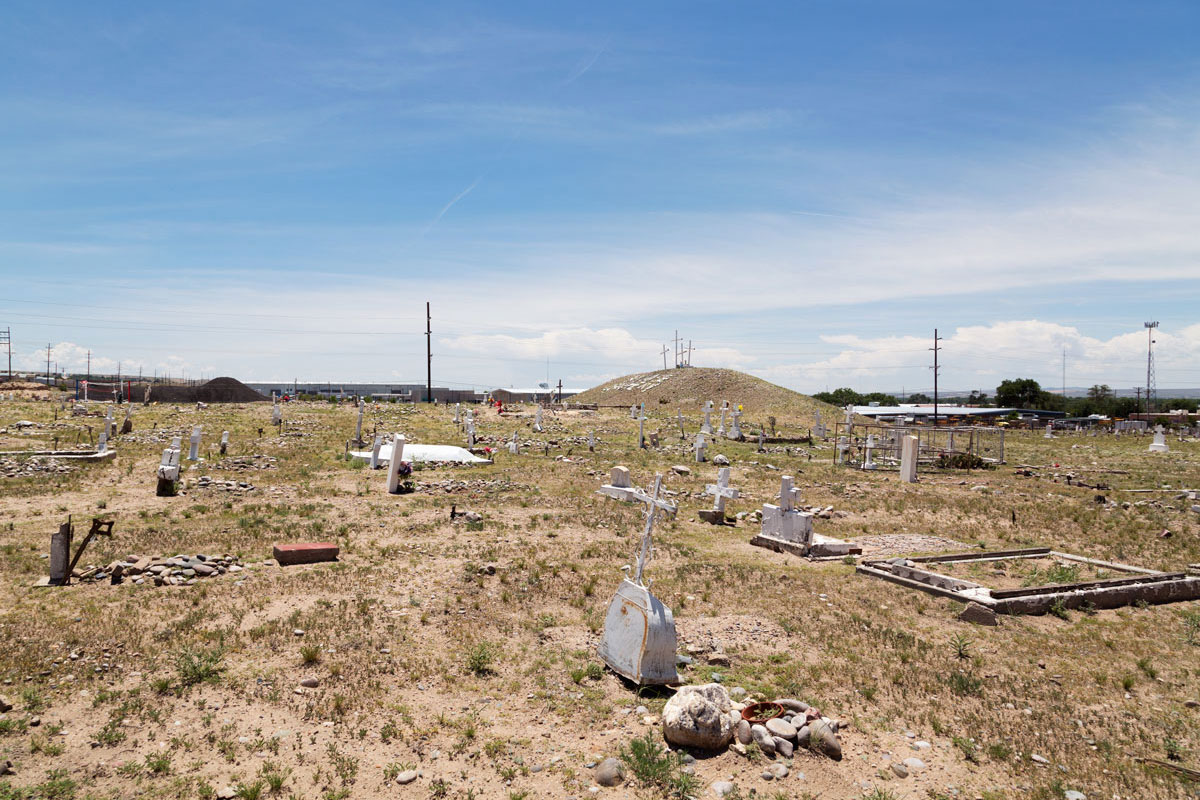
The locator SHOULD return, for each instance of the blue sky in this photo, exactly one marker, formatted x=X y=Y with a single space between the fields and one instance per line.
x=805 y=190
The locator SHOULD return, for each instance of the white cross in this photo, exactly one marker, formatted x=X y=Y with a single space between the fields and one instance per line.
x=699 y=448
x=721 y=490
x=653 y=504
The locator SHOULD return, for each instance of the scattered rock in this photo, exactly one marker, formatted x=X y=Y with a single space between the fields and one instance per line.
x=784 y=730
x=1039 y=759
x=679 y=469
x=309 y=683
x=1074 y=794
x=763 y=739
x=783 y=747
x=610 y=772
x=743 y=732
x=900 y=770
x=5 y=704
x=913 y=763
x=406 y=777
x=720 y=460
x=697 y=716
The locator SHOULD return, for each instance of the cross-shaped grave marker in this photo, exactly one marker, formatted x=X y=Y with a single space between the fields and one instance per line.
x=735 y=428
x=721 y=491
x=513 y=447
x=700 y=447
x=784 y=521
x=706 y=428
x=537 y=420
x=194 y=445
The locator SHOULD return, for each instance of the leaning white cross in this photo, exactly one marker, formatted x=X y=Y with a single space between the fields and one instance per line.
x=653 y=505
x=721 y=490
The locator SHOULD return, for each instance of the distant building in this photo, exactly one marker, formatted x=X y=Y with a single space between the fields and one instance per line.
x=924 y=411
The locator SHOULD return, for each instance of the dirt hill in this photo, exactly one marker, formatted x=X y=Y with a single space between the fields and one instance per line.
x=689 y=388
x=218 y=390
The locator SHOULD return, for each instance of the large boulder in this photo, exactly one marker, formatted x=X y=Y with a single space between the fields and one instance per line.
x=698 y=716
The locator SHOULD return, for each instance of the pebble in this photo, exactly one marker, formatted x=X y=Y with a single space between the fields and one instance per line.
x=914 y=764
x=1074 y=794
x=406 y=777
x=722 y=788
x=1039 y=759
x=610 y=773
x=309 y=683
x=743 y=732
x=921 y=745
x=900 y=770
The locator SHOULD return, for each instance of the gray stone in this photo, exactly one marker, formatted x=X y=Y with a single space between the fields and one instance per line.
x=1039 y=759
x=743 y=732
x=1074 y=794
x=822 y=739
x=722 y=788
x=784 y=730
x=679 y=469
x=803 y=734
x=763 y=739
x=783 y=747
x=408 y=776
x=914 y=763
x=737 y=693
x=779 y=769
x=767 y=775
x=697 y=716
x=978 y=615
x=5 y=704
x=610 y=772
x=204 y=569
x=793 y=705
x=720 y=460
x=900 y=770
x=309 y=683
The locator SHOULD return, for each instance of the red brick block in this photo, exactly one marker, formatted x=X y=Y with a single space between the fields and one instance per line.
x=305 y=553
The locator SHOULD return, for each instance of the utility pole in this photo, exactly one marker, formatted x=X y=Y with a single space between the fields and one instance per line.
x=560 y=388
x=935 y=350
x=47 y=366
x=1150 y=326
x=7 y=339
x=689 y=355
x=89 y=367
x=664 y=355
x=428 y=355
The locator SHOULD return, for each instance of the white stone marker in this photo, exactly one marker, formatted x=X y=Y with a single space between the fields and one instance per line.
x=456 y=412
x=699 y=448
x=537 y=420
x=735 y=428
x=110 y=425
x=706 y=428
x=168 y=470
x=724 y=408
x=592 y=441
x=762 y=440
x=682 y=433
x=375 y=451
x=224 y=442
x=127 y=423
x=849 y=420
x=633 y=412
x=194 y=446
x=393 y=477
x=276 y=411
x=102 y=442
x=1159 y=445
x=618 y=486
x=784 y=521
x=843 y=449
x=358 y=424
x=909 y=447
x=868 y=462
x=1049 y=431
x=721 y=491
x=819 y=427
x=513 y=447
x=470 y=432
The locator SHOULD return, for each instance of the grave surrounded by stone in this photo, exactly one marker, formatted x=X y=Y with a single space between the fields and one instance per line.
x=721 y=491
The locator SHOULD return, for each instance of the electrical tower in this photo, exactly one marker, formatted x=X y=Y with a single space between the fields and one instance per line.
x=6 y=339
x=1151 y=393
x=935 y=350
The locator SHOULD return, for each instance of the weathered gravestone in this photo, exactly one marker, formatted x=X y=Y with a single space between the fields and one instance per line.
x=639 y=639
x=224 y=442
x=168 y=470
x=909 y=447
x=194 y=445
x=393 y=475
x=1159 y=445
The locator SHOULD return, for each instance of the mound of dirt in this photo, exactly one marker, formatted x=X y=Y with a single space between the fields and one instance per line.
x=218 y=390
x=21 y=386
x=689 y=388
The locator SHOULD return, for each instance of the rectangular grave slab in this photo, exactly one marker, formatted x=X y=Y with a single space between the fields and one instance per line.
x=305 y=553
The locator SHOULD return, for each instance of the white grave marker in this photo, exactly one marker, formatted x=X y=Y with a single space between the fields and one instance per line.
x=537 y=420
x=1049 y=431
x=639 y=631
x=1159 y=445
x=700 y=448
x=618 y=486
x=735 y=428
x=721 y=491
x=513 y=447
x=706 y=428
x=868 y=462
x=194 y=445
x=908 y=459
x=592 y=441
x=724 y=408
x=374 y=464
x=358 y=424
x=784 y=521
x=102 y=443
x=393 y=477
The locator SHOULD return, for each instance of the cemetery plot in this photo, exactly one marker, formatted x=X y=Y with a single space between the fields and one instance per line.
x=1035 y=580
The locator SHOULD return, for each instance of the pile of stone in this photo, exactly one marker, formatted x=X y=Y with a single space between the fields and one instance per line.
x=21 y=468
x=206 y=482
x=479 y=485
x=704 y=717
x=180 y=570
x=246 y=463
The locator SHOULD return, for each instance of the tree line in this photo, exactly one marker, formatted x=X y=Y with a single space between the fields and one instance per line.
x=1020 y=393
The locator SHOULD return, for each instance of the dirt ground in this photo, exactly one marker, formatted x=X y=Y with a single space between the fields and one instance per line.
x=467 y=650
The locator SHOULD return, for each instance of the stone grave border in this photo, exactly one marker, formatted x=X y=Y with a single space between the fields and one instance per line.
x=1137 y=585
